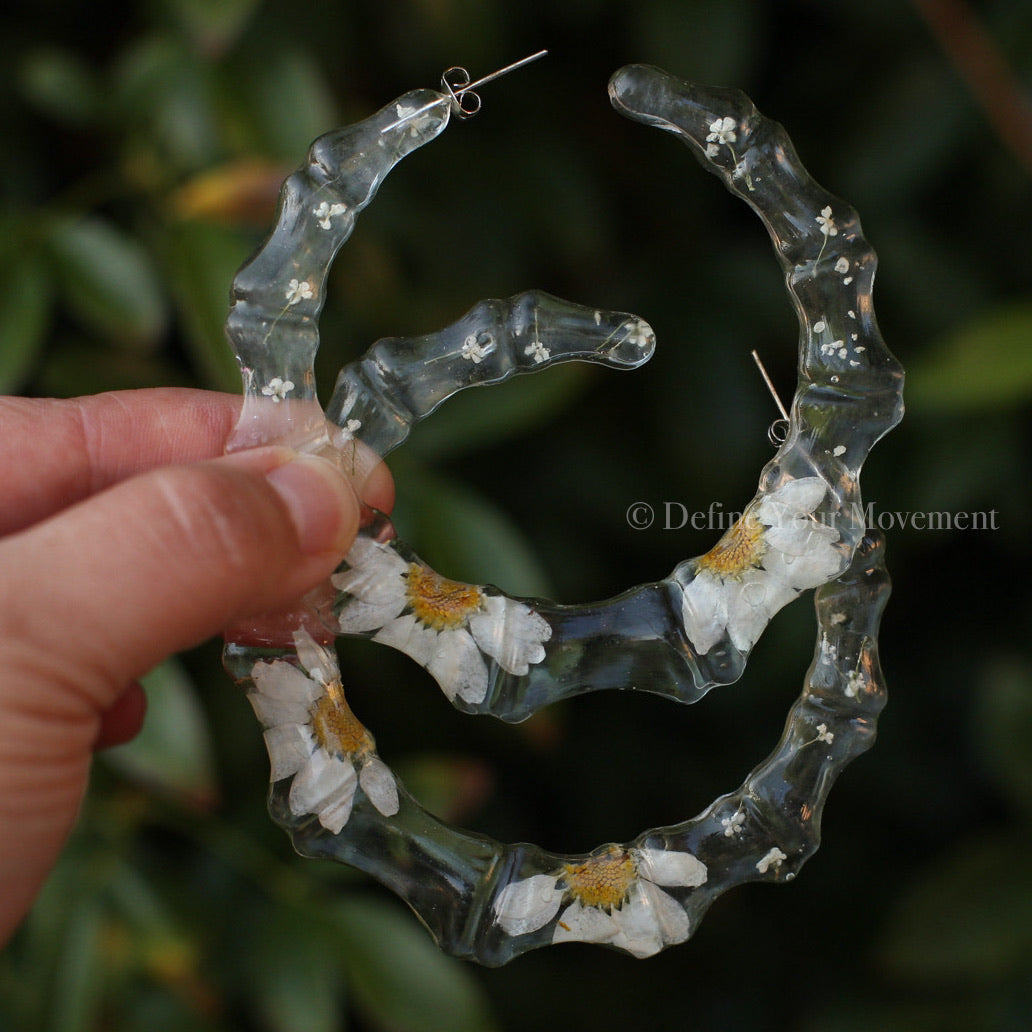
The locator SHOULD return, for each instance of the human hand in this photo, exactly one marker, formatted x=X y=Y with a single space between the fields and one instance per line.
x=123 y=538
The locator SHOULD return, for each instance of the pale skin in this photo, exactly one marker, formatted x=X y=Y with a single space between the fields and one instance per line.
x=125 y=536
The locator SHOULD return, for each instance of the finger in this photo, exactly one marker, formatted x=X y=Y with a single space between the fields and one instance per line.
x=121 y=722
x=57 y=452
x=93 y=597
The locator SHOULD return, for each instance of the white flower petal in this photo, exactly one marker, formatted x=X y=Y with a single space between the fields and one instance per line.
x=794 y=498
x=510 y=633
x=640 y=932
x=670 y=867
x=283 y=695
x=408 y=635
x=325 y=784
x=751 y=604
x=527 y=905
x=289 y=746
x=800 y=537
x=315 y=657
x=805 y=571
x=376 y=585
x=335 y=815
x=704 y=611
x=358 y=617
x=458 y=666
x=579 y=923
x=669 y=916
x=379 y=785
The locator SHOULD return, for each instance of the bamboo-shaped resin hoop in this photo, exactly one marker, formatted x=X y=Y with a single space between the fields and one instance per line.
x=492 y=653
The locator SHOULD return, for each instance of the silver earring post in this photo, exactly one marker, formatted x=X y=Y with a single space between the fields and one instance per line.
x=457 y=85
x=464 y=102
x=777 y=432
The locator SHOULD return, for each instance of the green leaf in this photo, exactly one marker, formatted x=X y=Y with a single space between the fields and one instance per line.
x=213 y=26
x=451 y=787
x=78 y=989
x=483 y=417
x=202 y=260
x=464 y=535
x=399 y=978
x=291 y=103
x=23 y=318
x=173 y=752
x=986 y=365
x=1004 y=728
x=108 y=280
x=969 y=920
x=164 y=95
x=60 y=84
x=300 y=988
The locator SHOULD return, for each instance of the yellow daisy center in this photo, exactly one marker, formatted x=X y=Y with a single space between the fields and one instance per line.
x=336 y=729
x=602 y=881
x=438 y=602
x=740 y=548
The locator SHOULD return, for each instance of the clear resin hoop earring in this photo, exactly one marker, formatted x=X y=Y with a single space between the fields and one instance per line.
x=495 y=654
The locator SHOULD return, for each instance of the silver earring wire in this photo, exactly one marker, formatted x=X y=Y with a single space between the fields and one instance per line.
x=777 y=432
x=464 y=102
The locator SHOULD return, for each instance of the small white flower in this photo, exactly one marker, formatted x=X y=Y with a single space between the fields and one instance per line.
x=842 y=265
x=855 y=683
x=614 y=898
x=445 y=626
x=722 y=131
x=475 y=350
x=278 y=388
x=773 y=859
x=829 y=652
x=416 y=118
x=820 y=326
x=834 y=347
x=536 y=350
x=733 y=825
x=640 y=334
x=838 y=450
x=824 y=735
x=298 y=291
x=827 y=223
x=313 y=737
x=348 y=430
x=326 y=212
x=771 y=554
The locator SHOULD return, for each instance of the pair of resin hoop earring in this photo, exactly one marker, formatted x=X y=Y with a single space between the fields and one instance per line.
x=508 y=657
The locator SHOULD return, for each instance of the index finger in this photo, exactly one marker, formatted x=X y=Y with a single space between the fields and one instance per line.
x=57 y=452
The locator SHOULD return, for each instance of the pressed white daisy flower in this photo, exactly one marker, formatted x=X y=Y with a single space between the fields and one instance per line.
x=444 y=625
x=312 y=735
x=773 y=552
x=612 y=898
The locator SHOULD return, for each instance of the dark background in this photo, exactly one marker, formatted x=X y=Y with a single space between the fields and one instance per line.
x=143 y=146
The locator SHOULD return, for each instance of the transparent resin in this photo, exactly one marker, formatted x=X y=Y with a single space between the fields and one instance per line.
x=495 y=654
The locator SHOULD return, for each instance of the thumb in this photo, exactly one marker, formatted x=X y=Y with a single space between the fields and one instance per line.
x=95 y=596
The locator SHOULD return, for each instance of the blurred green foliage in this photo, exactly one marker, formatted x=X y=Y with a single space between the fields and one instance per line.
x=144 y=144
